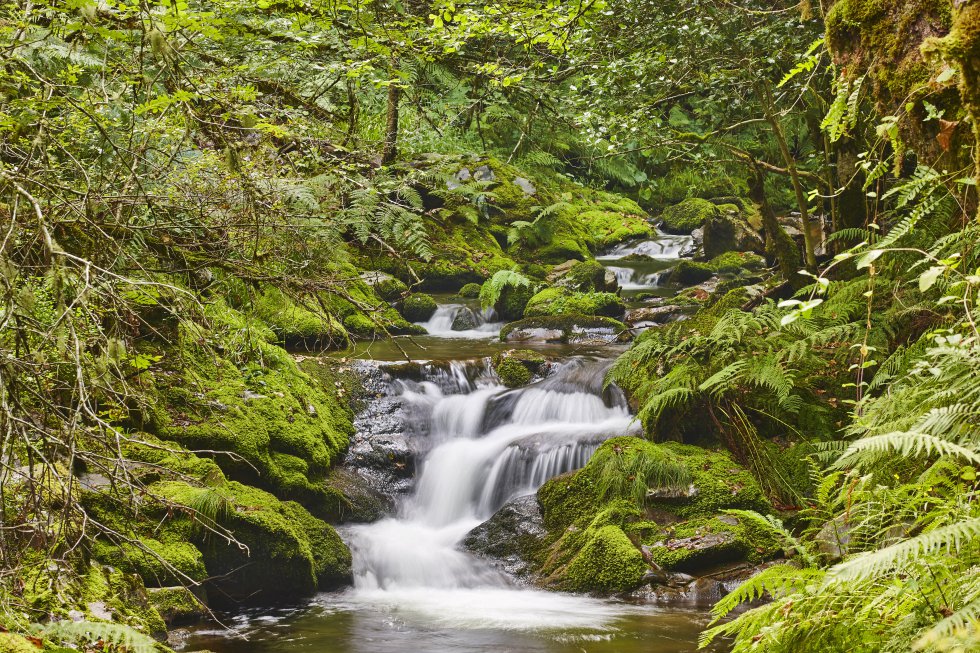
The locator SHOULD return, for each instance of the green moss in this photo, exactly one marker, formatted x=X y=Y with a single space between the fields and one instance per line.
x=513 y=301
x=470 y=291
x=705 y=541
x=687 y=216
x=390 y=289
x=176 y=605
x=10 y=643
x=607 y=562
x=418 y=307
x=290 y=552
x=282 y=428
x=296 y=325
x=688 y=273
x=561 y=301
x=720 y=483
x=513 y=373
x=159 y=565
x=533 y=360
x=585 y=276
x=735 y=262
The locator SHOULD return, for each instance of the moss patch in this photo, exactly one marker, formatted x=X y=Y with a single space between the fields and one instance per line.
x=419 y=307
x=687 y=216
x=561 y=301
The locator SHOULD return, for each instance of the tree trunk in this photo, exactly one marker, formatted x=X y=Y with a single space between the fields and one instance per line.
x=779 y=245
x=390 y=149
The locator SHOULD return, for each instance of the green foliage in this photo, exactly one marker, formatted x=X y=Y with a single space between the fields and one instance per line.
x=108 y=636
x=560 y=301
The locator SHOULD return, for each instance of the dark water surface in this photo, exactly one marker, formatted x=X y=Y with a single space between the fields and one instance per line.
x=456 y=623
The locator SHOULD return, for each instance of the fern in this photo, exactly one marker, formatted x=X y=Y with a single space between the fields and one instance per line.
x=494 y=287
x=108 y=637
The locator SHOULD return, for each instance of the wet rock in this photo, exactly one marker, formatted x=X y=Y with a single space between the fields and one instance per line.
x=655 y=314
x=465 y=320
x=511 y=538
x=385 y=285
x=358 y=500
x=571 y=328
x=834 y=538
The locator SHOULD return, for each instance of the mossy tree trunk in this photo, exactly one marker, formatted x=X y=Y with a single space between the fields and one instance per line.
x=779 y=245
x=390 y=149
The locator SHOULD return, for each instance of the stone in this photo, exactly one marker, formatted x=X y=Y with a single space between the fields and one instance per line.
x=655 y=314
x=728 y=232
x=484 y=173
x=525 y=185
x=465 y=320
x=511 y=537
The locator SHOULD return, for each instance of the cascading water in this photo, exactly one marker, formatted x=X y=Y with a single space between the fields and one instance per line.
x=645 y=273
x=487 y=445
x=462 y=321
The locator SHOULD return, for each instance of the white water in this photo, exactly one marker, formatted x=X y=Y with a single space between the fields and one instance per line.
x=633 y=279
x=488 y=445
x=441 y=323
x=665 y=246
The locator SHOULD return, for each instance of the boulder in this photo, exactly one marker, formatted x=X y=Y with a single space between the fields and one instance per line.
x=570 y=328
x=470 y=291
x=562 y=301
x=526 y=186
x=655 y=314
x=511 y=539
x=583 y=276
x=727 y=231
x=688 y=273
x=687 y=216
x=465 y=320
x=177 y=605
x=385 y=285
x=419 y=307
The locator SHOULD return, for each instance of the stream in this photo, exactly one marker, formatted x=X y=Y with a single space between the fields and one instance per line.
x=476 y=445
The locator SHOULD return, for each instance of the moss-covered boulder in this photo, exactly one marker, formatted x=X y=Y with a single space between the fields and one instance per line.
x=583 y=276
x=508 y=293
x=569 y=328
x=10 y=643
x=296 y=326
x=158 y=563
x=513 y=374
x=286 y=552
x=728 y=231
x=687 y=216
x=470 y=291
x=561 y=301
x=706 y=541
x=385 y=285
x=419 y=307
x=282 y=429
x=736 y=262
x=634 y=498
x=177 y=605
x=688 y=273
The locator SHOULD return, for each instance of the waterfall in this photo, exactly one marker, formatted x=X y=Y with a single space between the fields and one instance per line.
x=487 y=445
x=461 y=321
x=665 y=246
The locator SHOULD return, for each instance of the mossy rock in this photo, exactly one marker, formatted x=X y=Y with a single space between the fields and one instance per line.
x=470 y=291
x=561 y=301
x=160 y=564
x=283 y=428
x=571 y=327
x=728 y=231
x=687 y=216
x=385 y=286
x=419 y=307
x=296 y=326
x=588 y=276
x=718 y=483
x=513 y=374
x=290 y=552
x=736 y=262
x=104 y=590
x=177 y=605
x=689 y=273
x=607 y=562
x=706 y=541
x=513 y=301
x=10 y=643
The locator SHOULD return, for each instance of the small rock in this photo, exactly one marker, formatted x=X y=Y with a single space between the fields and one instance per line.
x=525 y=185
x=484 y=173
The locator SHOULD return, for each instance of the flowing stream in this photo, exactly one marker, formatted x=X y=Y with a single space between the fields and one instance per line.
x=477 y=446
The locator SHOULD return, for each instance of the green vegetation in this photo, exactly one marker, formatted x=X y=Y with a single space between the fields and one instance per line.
x=197 y=196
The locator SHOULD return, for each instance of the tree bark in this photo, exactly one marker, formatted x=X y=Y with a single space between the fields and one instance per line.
x=779 y=245
x=390 y=149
